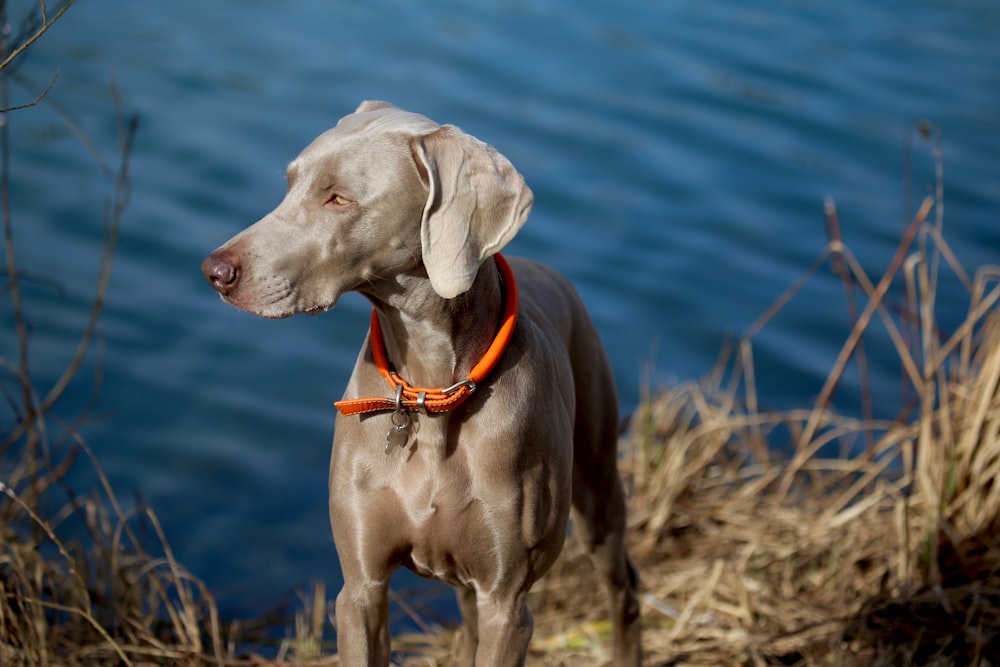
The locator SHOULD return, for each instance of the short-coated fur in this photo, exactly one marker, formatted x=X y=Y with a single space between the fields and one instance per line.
x=410 y=213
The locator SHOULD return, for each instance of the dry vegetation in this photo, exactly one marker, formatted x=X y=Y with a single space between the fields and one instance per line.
x=891 y=558
x=886 y=558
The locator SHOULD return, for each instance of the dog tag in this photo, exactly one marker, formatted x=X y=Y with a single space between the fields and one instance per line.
x=396 y=437
x=399 y=434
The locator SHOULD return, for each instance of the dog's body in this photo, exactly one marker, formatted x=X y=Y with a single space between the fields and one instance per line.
x=410 y=213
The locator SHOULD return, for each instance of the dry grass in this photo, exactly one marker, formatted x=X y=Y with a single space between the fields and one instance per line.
x=888 y=558
x=823 y=562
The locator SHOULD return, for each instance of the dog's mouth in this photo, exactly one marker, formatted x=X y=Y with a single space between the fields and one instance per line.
x=274 y=309
x=268 y=294
x=316 y=310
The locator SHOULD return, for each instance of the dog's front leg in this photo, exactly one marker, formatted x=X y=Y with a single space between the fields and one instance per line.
x=505 y=626
x=363 y=625
x=470 y=625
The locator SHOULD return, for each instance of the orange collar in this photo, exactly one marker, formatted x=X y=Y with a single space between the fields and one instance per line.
x=413 y=399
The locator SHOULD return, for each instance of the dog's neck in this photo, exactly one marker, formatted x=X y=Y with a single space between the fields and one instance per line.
x=432 y=341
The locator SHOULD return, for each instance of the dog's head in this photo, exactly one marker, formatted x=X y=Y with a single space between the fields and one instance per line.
x=384 y=193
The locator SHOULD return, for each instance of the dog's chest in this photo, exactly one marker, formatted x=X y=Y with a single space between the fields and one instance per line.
x=440 y=509
x=430 y=490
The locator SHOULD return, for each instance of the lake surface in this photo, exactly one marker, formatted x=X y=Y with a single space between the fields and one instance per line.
x=679 y=153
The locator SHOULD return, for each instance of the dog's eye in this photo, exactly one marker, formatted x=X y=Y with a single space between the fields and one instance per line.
x=338 y=200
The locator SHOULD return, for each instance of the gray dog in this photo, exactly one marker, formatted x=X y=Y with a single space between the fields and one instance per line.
x=470 y=475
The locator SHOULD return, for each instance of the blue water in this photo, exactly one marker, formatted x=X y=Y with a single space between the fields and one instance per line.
x=679 y=153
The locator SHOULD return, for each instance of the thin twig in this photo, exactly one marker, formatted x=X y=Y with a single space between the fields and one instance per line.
x=8 y=57
x=38 y=98
x=118 y=201
x=852 y=340
x=787 y=295
x=839 y=268
x=30 y=408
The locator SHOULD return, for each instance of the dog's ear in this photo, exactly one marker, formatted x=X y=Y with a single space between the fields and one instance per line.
x=476 y=203
x=373 y=105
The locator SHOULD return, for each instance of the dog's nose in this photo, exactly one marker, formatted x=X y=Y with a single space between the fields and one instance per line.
x=222 y=271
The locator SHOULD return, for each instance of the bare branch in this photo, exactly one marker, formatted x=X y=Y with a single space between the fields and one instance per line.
x=46 y=24
x=118 y=201
x=38 y=98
